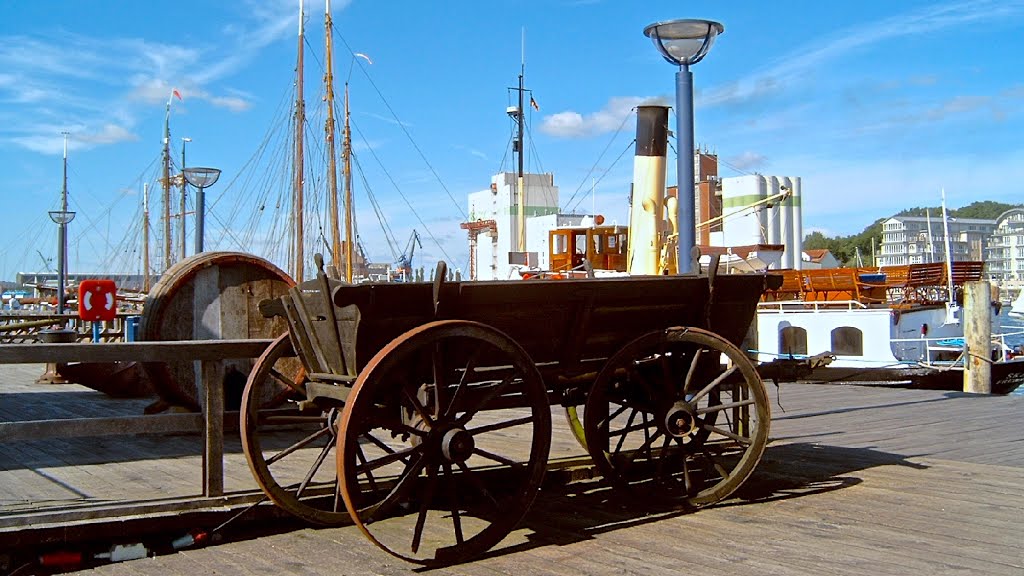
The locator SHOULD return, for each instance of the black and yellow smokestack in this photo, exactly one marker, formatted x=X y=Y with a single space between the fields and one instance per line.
x=646 y=216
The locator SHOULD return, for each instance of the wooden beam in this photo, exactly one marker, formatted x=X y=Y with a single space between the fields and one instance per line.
x=177 y=350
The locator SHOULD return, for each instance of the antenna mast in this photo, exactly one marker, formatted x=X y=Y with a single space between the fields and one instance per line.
x=521 y=141
x=300 y=121
x=145 y=237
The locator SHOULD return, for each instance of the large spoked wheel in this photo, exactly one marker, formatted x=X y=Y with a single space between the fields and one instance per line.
x=289 y=445
x=680 y=413
x=444 y=442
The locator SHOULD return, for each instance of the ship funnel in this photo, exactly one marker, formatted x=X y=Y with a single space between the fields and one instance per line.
x=646 y=216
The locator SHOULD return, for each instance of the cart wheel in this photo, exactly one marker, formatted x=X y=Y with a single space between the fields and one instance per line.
x=287 y=447
x=482 y=444
x=681 y=413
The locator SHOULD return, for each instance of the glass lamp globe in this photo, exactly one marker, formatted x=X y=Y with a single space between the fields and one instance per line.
x=684 y=42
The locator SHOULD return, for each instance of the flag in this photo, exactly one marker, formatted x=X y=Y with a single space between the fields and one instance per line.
x=176 y=93
x=534 y=104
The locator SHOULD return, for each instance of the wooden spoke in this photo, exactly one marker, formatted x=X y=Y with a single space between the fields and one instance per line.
x=300 y=444
x=421 y=410
x=500 y=425
x=741 y=439
x=492 y=392
x=428 y=498
x=313 y=469
x=713 y=384
x=453 y=498
x=287 y=381
x=496 y=457
x=463 y=381
x=720 y=407
x=692 y=370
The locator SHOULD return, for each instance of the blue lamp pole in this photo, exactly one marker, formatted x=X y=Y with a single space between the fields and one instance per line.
x=684 y=42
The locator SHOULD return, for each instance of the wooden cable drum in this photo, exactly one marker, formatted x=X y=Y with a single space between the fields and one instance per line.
x=210 y=296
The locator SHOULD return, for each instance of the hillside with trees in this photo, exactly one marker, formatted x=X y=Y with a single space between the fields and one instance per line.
x=844 y=248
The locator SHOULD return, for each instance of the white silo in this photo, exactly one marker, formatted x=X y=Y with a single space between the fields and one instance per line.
x=797 y=239
x=742 y=225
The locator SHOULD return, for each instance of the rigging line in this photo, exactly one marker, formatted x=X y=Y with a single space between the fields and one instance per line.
x=409 y=136
x=605 y=173
x=603 y=152
x=501 y=167
x=389 y=235
x=406 y=200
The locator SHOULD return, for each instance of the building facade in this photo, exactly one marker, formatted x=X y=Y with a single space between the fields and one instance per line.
x=1005 y=257
x=920 y=240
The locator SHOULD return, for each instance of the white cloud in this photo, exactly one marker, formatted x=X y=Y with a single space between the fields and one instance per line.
x=613 y=116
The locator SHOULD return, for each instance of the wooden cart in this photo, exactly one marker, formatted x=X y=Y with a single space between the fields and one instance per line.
x=434 y=400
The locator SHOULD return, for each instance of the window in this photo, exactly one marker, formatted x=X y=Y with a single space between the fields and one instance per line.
x=847 y=341
x=792 y=340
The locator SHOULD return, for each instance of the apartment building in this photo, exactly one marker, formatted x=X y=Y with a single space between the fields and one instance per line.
x=920 y=239
x=1005 y=254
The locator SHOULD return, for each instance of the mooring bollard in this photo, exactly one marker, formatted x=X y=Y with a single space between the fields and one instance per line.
x=977 y=323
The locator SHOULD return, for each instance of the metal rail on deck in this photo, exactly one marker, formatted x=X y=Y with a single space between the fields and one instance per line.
x=207 y=355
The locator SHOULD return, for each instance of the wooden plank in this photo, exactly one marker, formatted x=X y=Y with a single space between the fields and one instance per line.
x=136 y=351
x=114 y=426
x=213 y=437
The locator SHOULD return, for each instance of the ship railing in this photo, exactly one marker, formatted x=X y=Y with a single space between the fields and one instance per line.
x=811 y=305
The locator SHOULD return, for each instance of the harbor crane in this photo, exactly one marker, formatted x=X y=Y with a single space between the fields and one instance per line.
x=403 y=267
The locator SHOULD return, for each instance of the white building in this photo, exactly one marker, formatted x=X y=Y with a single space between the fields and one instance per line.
x=1005 y=253
x=920 y=240
x=497 y=255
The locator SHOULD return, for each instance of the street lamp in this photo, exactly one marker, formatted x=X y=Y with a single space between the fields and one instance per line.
x=201 y=178
x=62 y=218
x=684 y=42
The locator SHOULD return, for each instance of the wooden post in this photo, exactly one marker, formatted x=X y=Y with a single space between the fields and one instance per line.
x=213 y=427
x=977 y=322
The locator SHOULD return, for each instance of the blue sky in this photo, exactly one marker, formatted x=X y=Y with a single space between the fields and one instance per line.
x=877 y=105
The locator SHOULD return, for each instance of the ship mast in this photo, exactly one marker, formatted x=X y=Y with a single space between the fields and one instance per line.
x=347 y=158
x=332 y=171
x=165 y=183
x=145 y=237
x=300 y=120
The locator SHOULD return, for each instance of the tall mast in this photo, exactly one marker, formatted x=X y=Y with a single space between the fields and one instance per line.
x=949 y=259
x=165 y=182
x=300 y=121
x=145 y=237
x=332 y=174
x=522 y=146
x=347 y=158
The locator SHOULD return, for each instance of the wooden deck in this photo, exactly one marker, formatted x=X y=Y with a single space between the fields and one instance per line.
x=855 y=481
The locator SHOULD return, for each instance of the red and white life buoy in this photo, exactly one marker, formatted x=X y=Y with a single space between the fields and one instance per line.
x=97 y=300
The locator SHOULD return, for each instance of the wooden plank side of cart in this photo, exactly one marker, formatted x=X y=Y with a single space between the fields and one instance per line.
x=558 y=321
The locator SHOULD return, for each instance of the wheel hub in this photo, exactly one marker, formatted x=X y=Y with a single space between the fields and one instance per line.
x=681 y=420
x=457 y=445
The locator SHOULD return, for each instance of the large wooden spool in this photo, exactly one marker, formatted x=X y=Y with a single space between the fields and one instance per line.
x=210 y=296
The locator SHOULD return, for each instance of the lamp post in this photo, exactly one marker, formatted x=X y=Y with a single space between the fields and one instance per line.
x=62 y=218
x=181 y=231
x=201 y=178
x=684 y=42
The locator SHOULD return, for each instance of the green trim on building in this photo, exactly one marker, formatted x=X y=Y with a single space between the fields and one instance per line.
x=742 y=201
x=532 y=211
